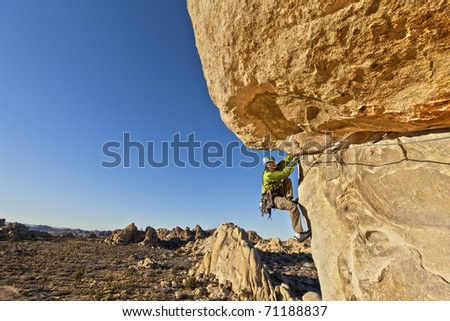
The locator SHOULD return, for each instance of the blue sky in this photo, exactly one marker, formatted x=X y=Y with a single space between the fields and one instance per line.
x=75 y=75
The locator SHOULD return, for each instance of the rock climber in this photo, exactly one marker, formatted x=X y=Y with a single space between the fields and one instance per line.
x=276 y=181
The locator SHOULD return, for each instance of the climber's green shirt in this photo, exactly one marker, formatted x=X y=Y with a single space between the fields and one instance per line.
x=272 y=179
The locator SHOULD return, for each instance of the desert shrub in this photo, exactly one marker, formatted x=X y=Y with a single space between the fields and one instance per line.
x=191 y=284
x=78 y=275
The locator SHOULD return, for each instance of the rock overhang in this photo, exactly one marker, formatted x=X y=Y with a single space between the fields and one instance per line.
x=306 y=73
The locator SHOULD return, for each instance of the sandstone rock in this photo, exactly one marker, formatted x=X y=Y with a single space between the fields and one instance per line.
x=305 y=76
x=20 y=231
x=254 y=237
x=9 y=293
x=284 y=291
x=200 y=233
x=129 y=234
x=199 y=291
x=232 y=258
x=275 y=244
x=299 y=70
x=293 y=246
x=146 y=263
x=311 y=296
x=178 y=234
x=17 y=230
x=381 y=221
x=151 y=237
x=180 y=295
x=191 y=272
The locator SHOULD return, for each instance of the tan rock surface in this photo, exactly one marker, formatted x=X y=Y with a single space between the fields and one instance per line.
x=151 y=237
x=382 y=220
x=232 y=259
x=313 y=73
x=129 y=234
x=311 y=296
x=301 y=69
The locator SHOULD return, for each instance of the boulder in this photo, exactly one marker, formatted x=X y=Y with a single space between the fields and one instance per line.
x=129 y=234
x=233 y=260
x=311 y=296
x=254 y=237
x=151 y=237
x=146 y=263
x=20 y=231
x=179 y=233
x=200 y=233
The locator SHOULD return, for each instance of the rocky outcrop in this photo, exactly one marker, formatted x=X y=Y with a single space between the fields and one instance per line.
x=92 y=235
x=151 y=237
x=2 y=222
x=157 y=237
x=156 y=271
x=200 y=233
x=186 y=234
x=254 y=237
x=232 y=259
x=19 y=231
x=129 y=234
x=334 y=79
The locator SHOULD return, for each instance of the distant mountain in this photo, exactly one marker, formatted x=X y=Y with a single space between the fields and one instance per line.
x=64 y=230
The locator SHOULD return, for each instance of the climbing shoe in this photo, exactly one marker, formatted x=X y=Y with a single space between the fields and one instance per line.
x=302 y=236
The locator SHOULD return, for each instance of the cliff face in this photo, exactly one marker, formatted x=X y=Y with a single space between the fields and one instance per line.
x=381 y=220
x=303 y=75
x=301 y=69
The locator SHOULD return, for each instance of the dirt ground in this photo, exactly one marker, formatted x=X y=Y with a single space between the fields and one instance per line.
x=90 y=269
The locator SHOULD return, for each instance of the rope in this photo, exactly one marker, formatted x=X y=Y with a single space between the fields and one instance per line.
x=400 y=143
x=371 y=144
x=340 y=144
